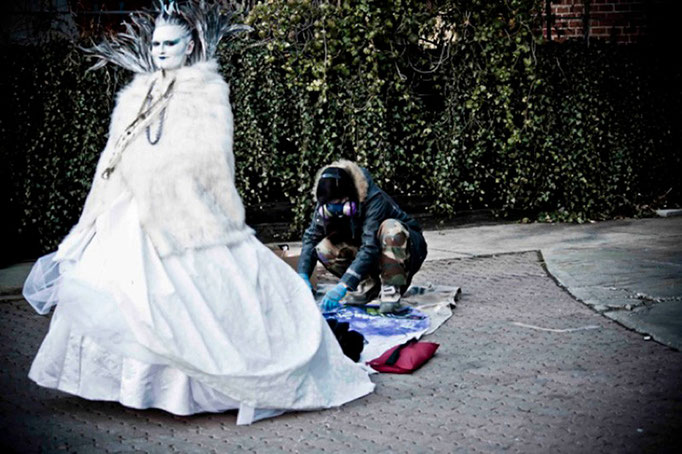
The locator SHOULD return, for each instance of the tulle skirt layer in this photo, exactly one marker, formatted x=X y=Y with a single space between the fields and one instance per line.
x=222 y=327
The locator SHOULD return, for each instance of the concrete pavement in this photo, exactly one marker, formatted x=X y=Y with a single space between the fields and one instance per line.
x=629 y=270
x=522 y=368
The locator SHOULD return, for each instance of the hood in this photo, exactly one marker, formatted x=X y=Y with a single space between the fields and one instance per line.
x=355 y=171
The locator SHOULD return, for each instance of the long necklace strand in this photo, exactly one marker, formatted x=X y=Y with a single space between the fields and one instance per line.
x=148 y=101
x=158 y=132
x=142 y=116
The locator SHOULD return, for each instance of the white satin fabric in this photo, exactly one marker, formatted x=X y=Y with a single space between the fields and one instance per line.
x=212 y=329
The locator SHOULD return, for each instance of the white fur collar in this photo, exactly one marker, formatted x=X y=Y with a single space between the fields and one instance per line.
x=198 y=70
x=201 y=72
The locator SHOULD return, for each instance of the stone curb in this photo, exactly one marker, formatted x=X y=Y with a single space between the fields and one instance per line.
x=669 y=213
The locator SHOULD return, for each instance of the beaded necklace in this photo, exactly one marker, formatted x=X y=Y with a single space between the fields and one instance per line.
x=144 y=118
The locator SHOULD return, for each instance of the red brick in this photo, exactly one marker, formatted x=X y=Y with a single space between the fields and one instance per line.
x=616 y=17
x=600 y=31
x=603 y=19
x=633 y=7
x=618 y=20
x=632 y=18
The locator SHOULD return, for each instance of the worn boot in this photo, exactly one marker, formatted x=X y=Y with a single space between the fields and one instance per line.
x=367 y=290
x=390 y=300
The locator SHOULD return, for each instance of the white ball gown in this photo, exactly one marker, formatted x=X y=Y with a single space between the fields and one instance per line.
x=197 y=329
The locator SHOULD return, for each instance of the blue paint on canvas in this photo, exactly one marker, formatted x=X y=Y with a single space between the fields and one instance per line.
x=369 y=322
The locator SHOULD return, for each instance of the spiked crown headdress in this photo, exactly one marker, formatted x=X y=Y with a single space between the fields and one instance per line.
x=208 y=21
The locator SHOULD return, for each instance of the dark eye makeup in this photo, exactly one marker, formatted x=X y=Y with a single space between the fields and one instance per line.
x=167 y=43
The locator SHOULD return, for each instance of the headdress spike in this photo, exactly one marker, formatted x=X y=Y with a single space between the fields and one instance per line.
x=132 y=49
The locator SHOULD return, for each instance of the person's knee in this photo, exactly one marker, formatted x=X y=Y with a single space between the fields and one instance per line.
x=393 y=234
x=326 y=251
x=393 y=237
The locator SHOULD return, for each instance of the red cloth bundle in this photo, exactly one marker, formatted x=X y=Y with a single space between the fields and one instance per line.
x=404 y=358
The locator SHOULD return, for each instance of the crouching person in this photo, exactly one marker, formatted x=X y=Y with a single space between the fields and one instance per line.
x=360 y=235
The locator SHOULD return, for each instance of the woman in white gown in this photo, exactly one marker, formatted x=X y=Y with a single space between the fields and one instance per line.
x=164 y=298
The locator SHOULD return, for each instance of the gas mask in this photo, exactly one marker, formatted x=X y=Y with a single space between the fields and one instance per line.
x=329 y=211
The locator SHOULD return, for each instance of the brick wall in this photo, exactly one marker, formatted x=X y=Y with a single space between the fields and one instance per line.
x=621 y=21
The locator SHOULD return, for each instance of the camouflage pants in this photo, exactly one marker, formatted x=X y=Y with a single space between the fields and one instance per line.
x=336 y=254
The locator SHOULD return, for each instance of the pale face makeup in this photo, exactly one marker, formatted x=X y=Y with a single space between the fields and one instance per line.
x=171 y=45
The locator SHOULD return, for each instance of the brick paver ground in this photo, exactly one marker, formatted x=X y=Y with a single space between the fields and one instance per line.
x=494 y=386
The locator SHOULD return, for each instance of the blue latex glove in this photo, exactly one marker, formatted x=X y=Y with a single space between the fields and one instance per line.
x=306 y=279
x=331 y=300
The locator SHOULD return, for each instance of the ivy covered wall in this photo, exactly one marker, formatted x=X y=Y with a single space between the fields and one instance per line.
x=452 y=105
